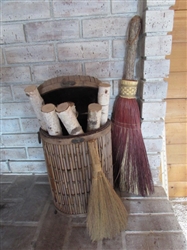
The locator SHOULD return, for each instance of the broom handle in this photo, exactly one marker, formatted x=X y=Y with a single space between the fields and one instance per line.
x=94 y=155
x=133 y=35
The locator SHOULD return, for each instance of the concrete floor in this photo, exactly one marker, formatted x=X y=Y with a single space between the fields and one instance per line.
x=28 y=220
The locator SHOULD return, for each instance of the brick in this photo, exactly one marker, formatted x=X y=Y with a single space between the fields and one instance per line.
x=105 y=69
x=15 y=74
x=148 y=206
x=121 y=6
x=15 y=192
x=84 y=50
x=52 y=30
x=17 y=237
x=12 y=153
x=115 y=88
x=6 y=93
x=27 y=54
x=45 y=72
x=28 y=166
x=20 y=140
x=153 y=145
x=80 y=239
x=154 y=160
x=3 y=167
x=156 y=176
x=19 y=93
x=152 y=129
x=13 y=11
x=156 y=3
x=2 y=60
x=36 y=198
x=154 y=90
x=152 y=222
x=153 y=240
x=105 y=27
x=156 y=68
x=158 y=20
x=10 y=125
x=30 y=124
x=114 y=243
x=77 y=8
x=12 y=33
x=52 y=239
x=35 y=153
x=156 y=45
x=153 y=110
x=17 y=110
x=118 y=48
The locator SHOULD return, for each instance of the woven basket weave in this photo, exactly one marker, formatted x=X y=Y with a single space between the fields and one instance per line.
x=67 y=158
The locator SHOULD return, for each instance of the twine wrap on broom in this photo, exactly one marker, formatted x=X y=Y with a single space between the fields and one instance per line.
x=131 y=166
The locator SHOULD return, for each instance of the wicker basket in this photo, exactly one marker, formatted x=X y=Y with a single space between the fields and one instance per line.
x=67 y=157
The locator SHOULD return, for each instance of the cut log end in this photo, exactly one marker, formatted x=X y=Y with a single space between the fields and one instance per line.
x=47 y=108
x=94 y=107
x=30 y=89
x=62 y=107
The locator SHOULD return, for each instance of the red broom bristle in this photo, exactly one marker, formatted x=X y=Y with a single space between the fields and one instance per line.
x=129 y=154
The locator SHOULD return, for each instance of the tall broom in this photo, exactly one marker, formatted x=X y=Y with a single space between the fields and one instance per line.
x=131 y=166
x=106 y=215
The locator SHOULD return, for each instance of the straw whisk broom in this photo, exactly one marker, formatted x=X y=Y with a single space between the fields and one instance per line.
x=131 y=166
x=106 y=215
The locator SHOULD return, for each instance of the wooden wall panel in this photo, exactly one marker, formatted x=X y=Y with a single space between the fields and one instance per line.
x=176 y=154
x=176 y=110
x=176 y=86
x=180 y=5
x=177 y=189
x=180 y=26
x=176 y=133
x=177 y=173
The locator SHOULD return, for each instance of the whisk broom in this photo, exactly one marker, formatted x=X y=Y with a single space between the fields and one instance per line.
x=106 y=215
x=131 y=166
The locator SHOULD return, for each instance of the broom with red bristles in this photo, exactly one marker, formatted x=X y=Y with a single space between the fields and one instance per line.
x=131 y=166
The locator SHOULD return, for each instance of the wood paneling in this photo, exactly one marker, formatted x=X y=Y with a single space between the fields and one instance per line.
x=177 y=173
x=180 y=26
x=176 y=154
x=176 y=86
x=180 y=5
x=176 y=110
x=176 y=133
x=177 y=189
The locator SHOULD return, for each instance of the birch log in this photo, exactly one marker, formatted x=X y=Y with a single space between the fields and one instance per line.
x=68 y=118
x=51 y=119
x=37 y=102
x=72 y=105
x=94 y=116
x=104 y=100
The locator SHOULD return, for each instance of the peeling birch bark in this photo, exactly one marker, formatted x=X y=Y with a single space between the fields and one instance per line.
x=104 y=100
x=68 y=118
x=37 y=102
x=94 y=116
x=51 y=119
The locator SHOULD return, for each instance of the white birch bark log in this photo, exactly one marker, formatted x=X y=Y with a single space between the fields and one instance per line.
x=68 y=118
x=103 y=100
x=72 y=105
x=104 y=114
x=37 y=102
x=94 y=116
x=51 y=119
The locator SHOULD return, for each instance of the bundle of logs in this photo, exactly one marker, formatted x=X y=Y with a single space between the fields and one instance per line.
x=49 y=115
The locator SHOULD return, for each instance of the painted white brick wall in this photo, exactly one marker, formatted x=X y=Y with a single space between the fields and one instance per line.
x=46 y=39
